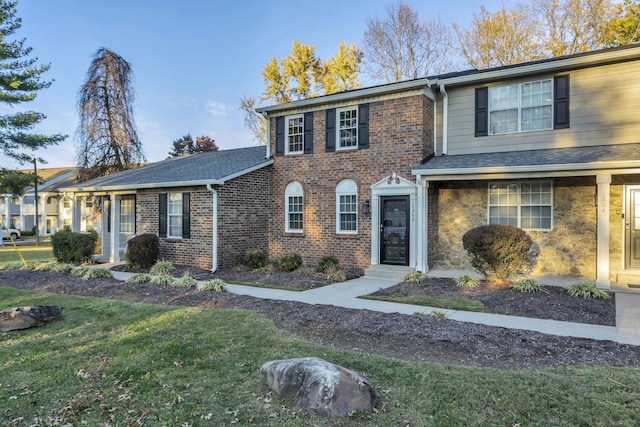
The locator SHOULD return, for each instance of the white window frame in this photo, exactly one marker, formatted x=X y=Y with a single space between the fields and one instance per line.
x=294 y=193
x=174 y=218
x=352 y=127
x=127 y=215
x=288 y=135
x=510 y=195
x=346 y=189
x=519 y=103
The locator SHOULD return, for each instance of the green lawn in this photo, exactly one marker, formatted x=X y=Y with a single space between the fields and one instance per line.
x=30 y=252
x=108 y=362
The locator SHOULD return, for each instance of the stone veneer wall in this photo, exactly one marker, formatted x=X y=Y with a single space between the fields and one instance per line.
x=567 y=250
x=400 y=136
x=242 y=221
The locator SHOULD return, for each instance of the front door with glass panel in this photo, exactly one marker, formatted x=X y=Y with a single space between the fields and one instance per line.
x=632 y=228
x=394 y=230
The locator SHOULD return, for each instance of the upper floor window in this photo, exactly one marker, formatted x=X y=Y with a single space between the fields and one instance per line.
x=50 y=200
x=347 y=207
x=521 y=107
x=347 y=128
x=294 y=134
x=524 y=204
x=66 y=203
x=293 y=200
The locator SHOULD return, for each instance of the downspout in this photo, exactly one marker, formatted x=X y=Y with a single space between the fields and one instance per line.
x=266 y=117
x=214 y=231
x=445 y=119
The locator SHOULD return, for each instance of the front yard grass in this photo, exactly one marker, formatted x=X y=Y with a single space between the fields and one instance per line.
x=107 y=362
x=428 y=301
x=30 y=252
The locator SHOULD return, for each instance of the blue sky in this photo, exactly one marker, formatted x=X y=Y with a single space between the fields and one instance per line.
x=193 y=60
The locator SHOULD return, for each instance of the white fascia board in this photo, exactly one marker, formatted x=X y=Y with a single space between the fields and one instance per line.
x=350 y=95
x=168 y=184
x=586 y=60
x=571 y=169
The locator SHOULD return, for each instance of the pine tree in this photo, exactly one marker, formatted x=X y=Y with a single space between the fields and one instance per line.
x=20 y=80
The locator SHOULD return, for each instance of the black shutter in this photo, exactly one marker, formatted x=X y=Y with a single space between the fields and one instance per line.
x=363 y=126
x=331 y=130
x=561 y=102
x=482 y=111
x=308 y=133
x=162 y=215
x=186 y=217
x=279 y=136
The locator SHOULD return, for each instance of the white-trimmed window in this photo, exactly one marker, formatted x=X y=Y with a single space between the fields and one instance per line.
x=521 y=107
x=293 y=201
x=175 y=215
x=294 y=134
x=524 y=204
x=347 y=124
x=127 y=215
x=347 y=207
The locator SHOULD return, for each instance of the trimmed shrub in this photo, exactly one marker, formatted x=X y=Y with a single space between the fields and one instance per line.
x=70 y=247
x=216 y=285
x=255 y=259
x=587 y=290
x=467 y=281
x=328 y=263
x=290 y=261
x=143 y=250
x=498 y=250
x=528 y=285
x=161 y=268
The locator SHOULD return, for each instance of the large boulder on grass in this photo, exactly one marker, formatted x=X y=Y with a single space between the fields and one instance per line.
x=319 y=386
x=15 y=318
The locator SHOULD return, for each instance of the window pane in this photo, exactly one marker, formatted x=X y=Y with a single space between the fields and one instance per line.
x=295 y=132
x=175 y=214
x=295 y=212
x=347 y=210
x=348 y=128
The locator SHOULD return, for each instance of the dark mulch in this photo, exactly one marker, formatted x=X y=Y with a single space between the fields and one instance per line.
x=555 y=303
x=407 y=337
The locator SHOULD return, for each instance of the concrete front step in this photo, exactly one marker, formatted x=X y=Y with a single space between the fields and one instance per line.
x=384 y=271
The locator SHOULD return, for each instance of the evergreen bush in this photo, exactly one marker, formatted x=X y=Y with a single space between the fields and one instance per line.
x=70 y=247
x=290 y=261
x=143 y=250
x=498 y=250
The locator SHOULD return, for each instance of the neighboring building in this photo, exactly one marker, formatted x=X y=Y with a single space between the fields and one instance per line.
x=54 y=208
x=207 y=208
x=396 y=174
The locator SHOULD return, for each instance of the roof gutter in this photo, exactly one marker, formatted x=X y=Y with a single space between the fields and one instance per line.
x=214 y=231
x=265 y=114
x=445 y=119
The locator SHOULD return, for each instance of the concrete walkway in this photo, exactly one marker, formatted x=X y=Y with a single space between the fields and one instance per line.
x=345 y=294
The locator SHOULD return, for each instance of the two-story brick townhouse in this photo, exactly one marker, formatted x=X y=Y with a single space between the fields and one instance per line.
x=341 y=183
x=396 y=174
x=206 y=208
x=551 y=146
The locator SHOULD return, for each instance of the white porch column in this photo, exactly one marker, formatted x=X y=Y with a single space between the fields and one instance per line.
x=603 y=182
x=422 y=222
x=114 y=256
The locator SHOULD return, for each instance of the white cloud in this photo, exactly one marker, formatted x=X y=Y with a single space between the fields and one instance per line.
x=216 y=108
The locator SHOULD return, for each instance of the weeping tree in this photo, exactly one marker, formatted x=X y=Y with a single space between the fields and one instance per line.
x=107 y=138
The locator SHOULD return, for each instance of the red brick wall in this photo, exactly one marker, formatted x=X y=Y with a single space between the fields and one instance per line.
x=242 y=221
x=400 y=136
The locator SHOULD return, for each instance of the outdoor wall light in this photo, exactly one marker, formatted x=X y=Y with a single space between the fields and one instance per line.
x=366 y=207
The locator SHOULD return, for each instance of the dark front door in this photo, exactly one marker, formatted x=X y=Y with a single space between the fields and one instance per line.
x=394 y=230
x=632 y=225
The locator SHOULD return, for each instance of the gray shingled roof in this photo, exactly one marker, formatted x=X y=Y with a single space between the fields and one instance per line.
x=194 y=169
x=559 y=157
